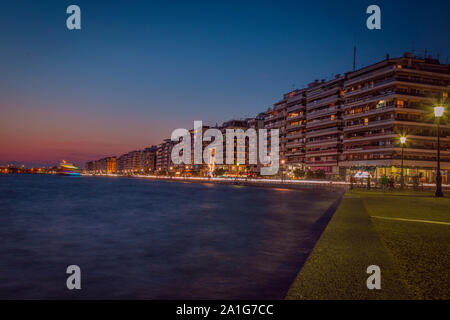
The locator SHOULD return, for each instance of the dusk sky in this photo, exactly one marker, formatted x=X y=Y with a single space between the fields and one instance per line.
x=139 y=69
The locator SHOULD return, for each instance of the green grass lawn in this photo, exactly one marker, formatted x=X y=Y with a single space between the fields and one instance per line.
x=414 y=256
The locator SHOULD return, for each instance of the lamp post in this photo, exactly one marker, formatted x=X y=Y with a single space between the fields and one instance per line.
x=282 y=170
x=402 y=180
x=438 y=112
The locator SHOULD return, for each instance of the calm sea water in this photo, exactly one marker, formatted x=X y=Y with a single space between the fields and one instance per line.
x=137 y=238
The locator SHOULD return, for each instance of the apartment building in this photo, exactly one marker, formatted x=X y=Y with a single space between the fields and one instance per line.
x=310 y=125
x=130 y=162
x=275 y=118
x=350 y=123
x=89 y=166
x=293 y=138
x=394 y=98
x=163 y=156
x=236 y=168
x=255 y=123
x=324 y=125
x=101 y=166
x=353 y=122
x=111 y=164
x=148 y=159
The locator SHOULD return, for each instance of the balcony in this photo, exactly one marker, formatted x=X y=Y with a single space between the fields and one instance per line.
x=373 y=124
x=295 y=153
x=317 y=133
x=316 y=114
x=294 y=127
x=372 y=136
x=376 y=86
x=319 y=123
x=300 y=116
x=369 y=76
x=298 y=107
x=275 y=125
x=370 y=149
x=329 y=152
x=294 y=144
x=369 y=113
x=325 y=142
x=322 y=163
x=322 y=102
x=391 y=94
x=295 y=136
x=423 y=83
x=321 y=92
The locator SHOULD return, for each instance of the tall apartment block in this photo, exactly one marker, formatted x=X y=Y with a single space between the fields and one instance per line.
x=236 y=168
x=129 y=163
x=111 y=165
x=293 y=139
x=255 y=123
x=147 y=161
x=324 y=125
x=353 y=122
x=163 y=156
x=102 y=166
x=275 y=118
x=394 y=98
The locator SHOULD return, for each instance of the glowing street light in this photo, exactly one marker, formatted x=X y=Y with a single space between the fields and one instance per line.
x=282 y=170
x=402 y=181
x=438 y=113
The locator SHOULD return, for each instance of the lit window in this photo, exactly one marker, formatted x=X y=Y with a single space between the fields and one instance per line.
x=366 y=121
x=332 y=117
x=400 y=103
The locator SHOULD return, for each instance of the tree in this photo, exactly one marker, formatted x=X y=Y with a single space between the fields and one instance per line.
x=320 y=174
x=219 y=172
x=299 y=173
x=317 y=174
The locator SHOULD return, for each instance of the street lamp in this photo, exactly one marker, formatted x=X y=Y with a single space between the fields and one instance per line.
x=282 y=170
x=402 y=181
x=438 y=112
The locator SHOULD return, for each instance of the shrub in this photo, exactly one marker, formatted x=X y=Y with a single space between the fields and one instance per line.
x=219 y=172
x=299 y=173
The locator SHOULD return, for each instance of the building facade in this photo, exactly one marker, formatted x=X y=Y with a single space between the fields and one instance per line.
x=324 y=125
x=354 y=122
x=339 y=127
x=394 y=98
x=163 y=157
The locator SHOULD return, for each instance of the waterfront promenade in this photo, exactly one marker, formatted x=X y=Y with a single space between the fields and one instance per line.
x=406 y=234
x=263 y=182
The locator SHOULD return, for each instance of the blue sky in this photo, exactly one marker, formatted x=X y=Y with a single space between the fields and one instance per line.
x=139 y=69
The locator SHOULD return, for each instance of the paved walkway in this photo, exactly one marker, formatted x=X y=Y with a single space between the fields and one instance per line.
x=336 y=269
